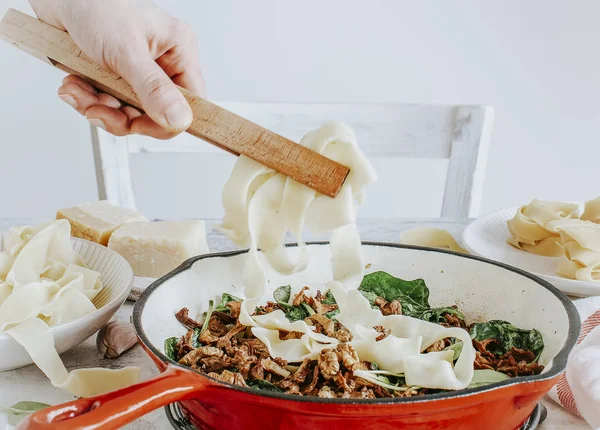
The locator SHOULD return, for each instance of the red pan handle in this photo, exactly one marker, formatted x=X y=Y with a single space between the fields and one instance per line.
x=114 y=410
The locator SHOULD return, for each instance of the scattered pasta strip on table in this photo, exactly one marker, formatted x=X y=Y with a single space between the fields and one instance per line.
x=432 y=238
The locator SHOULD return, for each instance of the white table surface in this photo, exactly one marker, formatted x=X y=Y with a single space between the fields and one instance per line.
x=29 y=383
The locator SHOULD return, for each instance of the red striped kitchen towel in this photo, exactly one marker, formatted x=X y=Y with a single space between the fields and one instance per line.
x=578 y=389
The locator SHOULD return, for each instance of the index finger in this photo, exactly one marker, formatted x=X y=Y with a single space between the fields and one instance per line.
x=182 y=64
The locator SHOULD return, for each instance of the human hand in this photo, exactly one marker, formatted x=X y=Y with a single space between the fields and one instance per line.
x=148 y=48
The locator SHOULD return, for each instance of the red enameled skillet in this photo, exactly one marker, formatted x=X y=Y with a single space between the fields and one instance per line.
x=482 y=289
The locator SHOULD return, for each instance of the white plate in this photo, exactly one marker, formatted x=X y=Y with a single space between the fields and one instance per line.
x=487 y=237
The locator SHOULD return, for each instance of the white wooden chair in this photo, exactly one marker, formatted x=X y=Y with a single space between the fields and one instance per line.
x=411 y=146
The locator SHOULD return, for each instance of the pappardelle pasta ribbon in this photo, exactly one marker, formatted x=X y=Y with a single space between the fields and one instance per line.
x=261 y=206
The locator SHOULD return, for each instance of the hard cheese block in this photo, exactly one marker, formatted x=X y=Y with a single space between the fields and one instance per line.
x=154 y=249
x=98 y=220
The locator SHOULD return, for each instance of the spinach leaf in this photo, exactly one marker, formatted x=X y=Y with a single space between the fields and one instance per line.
x=412 y=295
x=171 y=348
x=211 y=305
x=283 y=294
x=370 y=296
x=329 y=299
x=20 y=410
x=457 y=348
x=294 y=313
x=308 y=309
x=483 y=377
x=261 y=384
x=434 y=315
x=508 y=336
x=397 y=380
x=195 y=341
x=391 y=288
x=199 y=330
x=332 y=315
x=226 y=298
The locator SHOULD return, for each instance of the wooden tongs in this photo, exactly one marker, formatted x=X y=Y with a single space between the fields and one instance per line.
x=211 y=122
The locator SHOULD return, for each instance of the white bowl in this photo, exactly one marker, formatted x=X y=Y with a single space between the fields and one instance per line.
x=117 y=278
x=487 y=237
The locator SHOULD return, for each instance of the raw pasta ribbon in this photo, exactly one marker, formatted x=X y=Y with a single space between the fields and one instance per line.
x=592 y=211
x=580 y=242
x=528 y=227
x=262 y=206
x=432 y=238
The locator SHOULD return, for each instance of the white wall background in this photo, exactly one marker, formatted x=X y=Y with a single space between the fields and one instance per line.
x=537 y=62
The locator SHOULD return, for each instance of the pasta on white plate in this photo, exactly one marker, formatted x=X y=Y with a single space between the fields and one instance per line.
x=580 y=241
x=44 y=283
x=554 y=229
x=528 y=226
x=592 y=211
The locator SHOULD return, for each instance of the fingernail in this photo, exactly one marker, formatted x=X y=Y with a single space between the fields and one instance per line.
x=97 y=122
x=178 y=116
x=68 y=99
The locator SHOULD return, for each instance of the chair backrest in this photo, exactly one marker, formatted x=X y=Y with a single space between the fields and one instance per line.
x=397 y=138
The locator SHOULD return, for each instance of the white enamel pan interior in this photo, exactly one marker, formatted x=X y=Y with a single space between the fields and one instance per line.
x=483 y=290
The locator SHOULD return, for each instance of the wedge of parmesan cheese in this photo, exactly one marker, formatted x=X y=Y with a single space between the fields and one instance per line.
x=98 y=220
x=155 y=248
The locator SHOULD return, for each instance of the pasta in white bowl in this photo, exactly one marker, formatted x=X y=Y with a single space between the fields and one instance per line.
x=55 y=292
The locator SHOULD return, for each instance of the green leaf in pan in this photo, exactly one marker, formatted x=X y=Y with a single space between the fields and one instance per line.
x=211 y=306
x=171 y=348
x=308 y=309
x=508 y=336
x=283 y=294
x=329 y=299
x=412 y=295
x=20 y=410
x=198 y=330
x=332 y=315
x=434 y=315
x=294 y=313
x=370 y=296
x=195 y=338
x=483 y=377
x=457 y=348
x=226 y=298
x=391 y=288
x=261 y=384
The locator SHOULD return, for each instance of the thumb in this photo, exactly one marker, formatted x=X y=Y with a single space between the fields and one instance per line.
x=159 y=96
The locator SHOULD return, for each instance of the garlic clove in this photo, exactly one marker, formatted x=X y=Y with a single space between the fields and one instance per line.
x=115 y=338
